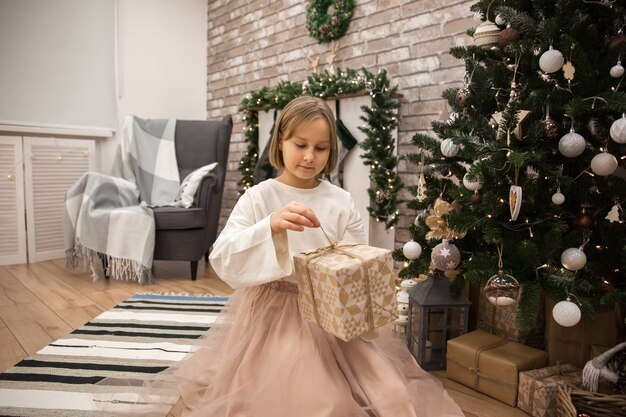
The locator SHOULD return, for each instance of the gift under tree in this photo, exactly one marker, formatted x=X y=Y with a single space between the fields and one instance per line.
x=531 y=160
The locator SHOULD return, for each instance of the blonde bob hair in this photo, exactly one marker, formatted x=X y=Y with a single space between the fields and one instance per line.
x=297 y=112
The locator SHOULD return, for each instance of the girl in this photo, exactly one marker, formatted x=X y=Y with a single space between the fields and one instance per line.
x=262 y=359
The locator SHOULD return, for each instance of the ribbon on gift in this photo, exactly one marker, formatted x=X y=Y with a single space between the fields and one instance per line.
x=554 y=370
x=336 y=246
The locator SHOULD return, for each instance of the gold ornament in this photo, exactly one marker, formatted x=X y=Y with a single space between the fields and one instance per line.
x=462 y=95
x=521 y=116
x=568 y=71
x=486 y=35
x=437 y=224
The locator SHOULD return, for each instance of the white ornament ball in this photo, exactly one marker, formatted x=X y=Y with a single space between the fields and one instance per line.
x=551 y=60
x=573 y=259
x=449 y=148
x=445 y=256
x=500 y=21
x=472 y=185
x=604 y=164
x=558 y=198
x=618 y=130
x=412 y=250
x=566 y=313
x=572 y=145
x=486 y=35
x=617 y=71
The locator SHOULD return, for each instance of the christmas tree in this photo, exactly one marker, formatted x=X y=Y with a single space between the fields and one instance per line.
x=526 y=175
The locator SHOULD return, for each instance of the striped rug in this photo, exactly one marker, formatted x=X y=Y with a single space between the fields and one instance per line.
x=143 y=335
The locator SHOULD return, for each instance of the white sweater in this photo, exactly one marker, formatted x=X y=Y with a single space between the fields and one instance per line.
x=246 y=254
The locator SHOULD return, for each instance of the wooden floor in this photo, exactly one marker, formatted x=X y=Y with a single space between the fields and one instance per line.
x=42 y=302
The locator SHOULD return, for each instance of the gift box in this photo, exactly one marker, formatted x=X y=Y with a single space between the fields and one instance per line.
x=347 y=289
x=502 y=321
x=491 y=364
x=538 y=389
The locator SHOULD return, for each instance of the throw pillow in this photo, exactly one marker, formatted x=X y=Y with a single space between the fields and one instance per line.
x=189 y=186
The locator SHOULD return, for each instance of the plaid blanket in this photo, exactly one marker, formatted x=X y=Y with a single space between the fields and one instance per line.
x=108 y=218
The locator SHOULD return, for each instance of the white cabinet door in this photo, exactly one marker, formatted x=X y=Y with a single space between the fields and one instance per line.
x=12 y=223
x=51 y=166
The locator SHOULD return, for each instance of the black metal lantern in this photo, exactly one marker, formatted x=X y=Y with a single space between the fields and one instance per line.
x=434 y=318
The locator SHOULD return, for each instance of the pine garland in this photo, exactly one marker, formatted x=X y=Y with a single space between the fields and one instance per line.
x=380 y=121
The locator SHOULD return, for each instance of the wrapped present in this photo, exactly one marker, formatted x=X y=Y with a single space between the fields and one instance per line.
x=538 y=389
x=502 y=321
x=347 y=289
x=491 y=364
x=579 y=343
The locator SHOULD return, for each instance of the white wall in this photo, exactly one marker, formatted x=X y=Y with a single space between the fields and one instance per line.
x=162 y=61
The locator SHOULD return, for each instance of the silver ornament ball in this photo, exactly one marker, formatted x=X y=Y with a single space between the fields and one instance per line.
x=617 y=71
x=573 y=259
x=572 y=145
x=604 y=164
x=445 y=256
x=551 y=60
x=558 y=198
x=618 y=130
x=566 y=313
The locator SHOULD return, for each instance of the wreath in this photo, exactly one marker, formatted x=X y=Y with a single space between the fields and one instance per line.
x=324 y=27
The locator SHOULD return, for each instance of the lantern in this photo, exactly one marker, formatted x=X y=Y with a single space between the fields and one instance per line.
x=434 y=318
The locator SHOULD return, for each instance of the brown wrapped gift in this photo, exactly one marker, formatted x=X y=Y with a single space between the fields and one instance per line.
x=491 y=364
x=501 y=321
x=575 y=344
x=538 y=389
x=347 y=289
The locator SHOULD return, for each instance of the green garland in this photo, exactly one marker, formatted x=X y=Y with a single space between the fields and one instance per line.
x=324 y=27
x=380 y=119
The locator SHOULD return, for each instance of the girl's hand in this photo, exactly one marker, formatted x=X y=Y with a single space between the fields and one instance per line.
x=294 y=216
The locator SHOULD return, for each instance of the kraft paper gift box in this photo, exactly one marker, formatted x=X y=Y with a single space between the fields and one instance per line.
x=347 y=289
x=502 y=321
x=491 y=364
x=538 y=389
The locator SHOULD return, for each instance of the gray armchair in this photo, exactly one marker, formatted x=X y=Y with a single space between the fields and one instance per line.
x=186 y=234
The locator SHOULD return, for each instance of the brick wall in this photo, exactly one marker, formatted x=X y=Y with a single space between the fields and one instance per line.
x=256 y=43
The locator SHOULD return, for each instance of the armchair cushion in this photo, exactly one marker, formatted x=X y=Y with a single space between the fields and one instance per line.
x=170 y=218
x=189 y=186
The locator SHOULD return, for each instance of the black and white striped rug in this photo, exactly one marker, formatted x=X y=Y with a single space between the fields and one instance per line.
x=143 y=335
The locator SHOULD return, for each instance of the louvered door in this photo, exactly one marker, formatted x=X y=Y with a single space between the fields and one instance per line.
x=51 y=166
x=12 y=223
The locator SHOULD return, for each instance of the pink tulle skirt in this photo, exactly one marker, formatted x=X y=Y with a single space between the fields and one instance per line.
x=261 y=359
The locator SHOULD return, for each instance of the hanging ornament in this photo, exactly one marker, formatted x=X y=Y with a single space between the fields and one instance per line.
x=574 y=259
x=507 y=36
x=421 y=188
x=617 y=70
x=502 y=289
x=449 y=148
x=471 y=185
x=412 y=250
x=584 y=220
x=476 y=198
x=568 y=71
x=515 y=201
x=462 y=96
x=618 y=130
x=558 y=198
x=445 y=256
x=550 y=128
x=500 y=20
x=572 y=144
x=566 y=313
x=551 y=60
x=604 y=164
x=437 y=224
x=618 y=41
x=486 y=35
x=613 y=215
